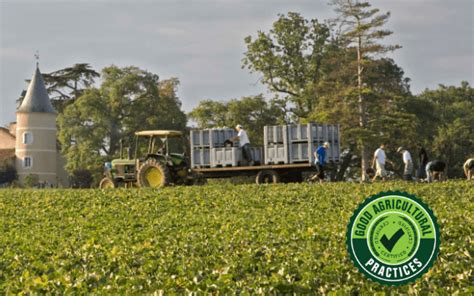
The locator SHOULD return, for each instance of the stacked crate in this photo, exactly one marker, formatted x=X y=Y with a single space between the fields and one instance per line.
x=232 y=156
x=275 y=144
x=203 y=141
x=297 y=143
x=200 y=149
x=305 y=139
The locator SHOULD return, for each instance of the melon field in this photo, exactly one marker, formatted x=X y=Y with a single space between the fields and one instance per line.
x=226 y=239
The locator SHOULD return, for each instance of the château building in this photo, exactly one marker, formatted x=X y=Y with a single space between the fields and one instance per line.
x=30 y=144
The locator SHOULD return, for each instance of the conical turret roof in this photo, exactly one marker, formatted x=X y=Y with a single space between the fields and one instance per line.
x=36 y=98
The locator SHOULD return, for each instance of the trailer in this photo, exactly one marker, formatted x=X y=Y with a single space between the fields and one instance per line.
x=263 y=174
x=288 y=153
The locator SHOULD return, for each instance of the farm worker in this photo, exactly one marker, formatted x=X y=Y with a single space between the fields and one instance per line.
x=378 y=163
x=423 y=160
x=244 y=143
x=320 y=161
x=435 y=170
x=408 y=170
x=469 y=168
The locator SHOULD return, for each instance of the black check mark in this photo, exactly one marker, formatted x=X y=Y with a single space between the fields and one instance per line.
x=390 y=243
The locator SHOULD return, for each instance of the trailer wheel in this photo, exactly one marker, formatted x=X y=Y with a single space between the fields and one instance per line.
x=267 y=177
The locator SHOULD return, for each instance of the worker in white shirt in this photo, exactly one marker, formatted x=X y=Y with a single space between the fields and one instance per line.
x=408 y=169
x=378 y=163
x=244 y=144
x=468 y=168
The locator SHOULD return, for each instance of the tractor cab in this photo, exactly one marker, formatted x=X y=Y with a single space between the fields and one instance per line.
x=158 y=160
x=159 y=145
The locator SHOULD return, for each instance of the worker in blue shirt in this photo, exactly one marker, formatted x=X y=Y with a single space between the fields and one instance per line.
x=320 y=161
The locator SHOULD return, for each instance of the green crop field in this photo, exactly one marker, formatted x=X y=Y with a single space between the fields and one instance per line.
x=231 y=238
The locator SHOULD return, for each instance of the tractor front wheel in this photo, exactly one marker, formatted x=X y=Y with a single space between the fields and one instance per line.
x=153 y=174
x=106 y=183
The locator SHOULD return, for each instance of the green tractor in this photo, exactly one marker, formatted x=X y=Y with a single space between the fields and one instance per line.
x=159 y=167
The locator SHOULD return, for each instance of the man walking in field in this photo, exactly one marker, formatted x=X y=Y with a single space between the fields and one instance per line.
x=320 y=161
x=408 y=169
x=244 y=144
x=469 y=168
x=378 y=163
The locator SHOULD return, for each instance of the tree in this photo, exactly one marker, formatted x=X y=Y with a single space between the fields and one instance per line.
x=129 y=99
x=387 y=120
x=252 y=112
x=81 y=178
x=446 y=123
x=66 y=85
x=209 y=114
x=361 y=29
x=290 y=59
x=8 y=174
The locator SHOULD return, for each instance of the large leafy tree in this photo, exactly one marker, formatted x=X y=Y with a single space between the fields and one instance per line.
x=446 y=123
x=388 y=121
x=129 y=99
x=361 y=31
x=290 y=59
x=70 y=82
x=253 y=112
x=66 y=85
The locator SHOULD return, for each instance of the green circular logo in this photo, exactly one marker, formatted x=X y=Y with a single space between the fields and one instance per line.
x=393 y=238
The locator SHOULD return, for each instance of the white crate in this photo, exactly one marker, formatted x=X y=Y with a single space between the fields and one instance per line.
x=212 y=137
x=232 y=156
x=299 y=132
x=199 y=138
x=300 y=152
x=200 y=158
x=276 y=153
x=275 y=134
x=225 y=156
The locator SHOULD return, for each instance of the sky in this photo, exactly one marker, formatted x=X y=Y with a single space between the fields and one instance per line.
x=201 y=42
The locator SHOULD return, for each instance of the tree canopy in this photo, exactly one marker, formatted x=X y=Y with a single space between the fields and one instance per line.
x=290 y=59
x=129 y=99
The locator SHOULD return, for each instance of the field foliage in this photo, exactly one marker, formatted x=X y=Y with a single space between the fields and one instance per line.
x=245 y=238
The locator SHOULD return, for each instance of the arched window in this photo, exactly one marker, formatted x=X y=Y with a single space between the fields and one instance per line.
x=27 y=138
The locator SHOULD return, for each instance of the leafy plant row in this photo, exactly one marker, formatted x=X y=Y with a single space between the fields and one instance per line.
x=232 y=239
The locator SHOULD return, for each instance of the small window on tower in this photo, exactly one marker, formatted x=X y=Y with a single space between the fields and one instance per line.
x=27 y=138
x=27 y=162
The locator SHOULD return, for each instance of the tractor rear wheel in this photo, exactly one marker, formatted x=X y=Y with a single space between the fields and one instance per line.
x=153 y=174
x=106 y=183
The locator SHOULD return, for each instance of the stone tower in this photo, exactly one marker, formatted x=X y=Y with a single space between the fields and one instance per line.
x=35 y=147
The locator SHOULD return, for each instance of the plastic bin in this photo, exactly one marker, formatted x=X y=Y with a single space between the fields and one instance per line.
x=200 y=158
x=275 y=134
x=276 y=153
x=300 y=152
x=225 y=156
